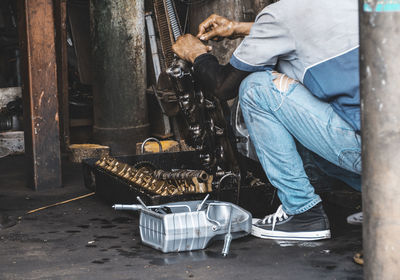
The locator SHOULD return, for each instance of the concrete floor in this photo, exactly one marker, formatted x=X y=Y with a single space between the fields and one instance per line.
x=86 y=239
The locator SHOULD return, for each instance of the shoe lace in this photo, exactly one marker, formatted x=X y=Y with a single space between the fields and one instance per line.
x=279 y=215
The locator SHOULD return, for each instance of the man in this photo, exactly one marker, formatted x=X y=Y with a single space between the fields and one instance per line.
x=297 y=74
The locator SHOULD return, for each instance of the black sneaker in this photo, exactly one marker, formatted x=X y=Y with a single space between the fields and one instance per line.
x=310 y=225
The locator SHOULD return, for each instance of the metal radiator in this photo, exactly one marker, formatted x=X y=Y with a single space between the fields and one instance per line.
x=168 y=28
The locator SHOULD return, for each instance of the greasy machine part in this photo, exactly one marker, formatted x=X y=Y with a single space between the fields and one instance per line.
x=205 y=121
x=161 y=182
x=168 y=29
x=203 y=115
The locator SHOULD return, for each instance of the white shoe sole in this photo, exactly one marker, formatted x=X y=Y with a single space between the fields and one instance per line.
x=282 y=235
x=355 y=219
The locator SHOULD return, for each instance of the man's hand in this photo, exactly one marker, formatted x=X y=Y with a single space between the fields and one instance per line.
x=216 y=27
x=189 y=47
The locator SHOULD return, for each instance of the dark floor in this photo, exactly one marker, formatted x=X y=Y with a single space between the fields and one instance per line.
x=86 y=239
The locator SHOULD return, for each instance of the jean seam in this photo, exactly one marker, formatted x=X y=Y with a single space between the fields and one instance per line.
x=343 y=153
x=262 y=88
x=323 y=123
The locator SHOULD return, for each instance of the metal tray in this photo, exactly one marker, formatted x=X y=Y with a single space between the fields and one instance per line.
x=190 y=225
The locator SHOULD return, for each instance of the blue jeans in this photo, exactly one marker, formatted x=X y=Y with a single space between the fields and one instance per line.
x=275 y=119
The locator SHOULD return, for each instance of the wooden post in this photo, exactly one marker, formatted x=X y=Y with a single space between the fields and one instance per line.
x=60 y=17
x=39 y=75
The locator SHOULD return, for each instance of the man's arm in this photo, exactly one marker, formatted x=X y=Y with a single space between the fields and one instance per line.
x=222 y=81
x=217 y=27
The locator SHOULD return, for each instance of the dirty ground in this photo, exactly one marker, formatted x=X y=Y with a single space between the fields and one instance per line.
x=87 y=239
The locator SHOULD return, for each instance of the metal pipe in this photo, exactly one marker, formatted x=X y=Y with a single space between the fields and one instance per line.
x=153 y=45
x=151 y=139
x=380 y=103
x=132 y=207
x=119 y=65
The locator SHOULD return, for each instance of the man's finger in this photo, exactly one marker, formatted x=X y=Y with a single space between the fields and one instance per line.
x=205 y=24
x=211 y=34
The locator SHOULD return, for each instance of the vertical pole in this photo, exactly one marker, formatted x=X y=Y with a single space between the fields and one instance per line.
x=119 y=59
x=380 y=103
x=60 y=17
x=39 y=89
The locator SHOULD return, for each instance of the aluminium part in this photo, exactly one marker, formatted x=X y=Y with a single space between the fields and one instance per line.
x=244 y=144
x=156 y=64
x=228 y=237
x=180 y=226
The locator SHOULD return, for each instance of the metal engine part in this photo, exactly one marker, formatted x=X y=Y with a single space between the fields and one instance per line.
x=204 y=124
x=161 y=182
x=190 y=225
x=205 y=121
x=168 y=29
x=244 y=144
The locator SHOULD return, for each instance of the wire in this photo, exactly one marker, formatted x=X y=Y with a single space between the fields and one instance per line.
x=59 y=203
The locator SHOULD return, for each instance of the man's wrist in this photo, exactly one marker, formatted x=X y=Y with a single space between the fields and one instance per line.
x=204 y=57
x=242 y=29
x=236 y=28
x=192 y=57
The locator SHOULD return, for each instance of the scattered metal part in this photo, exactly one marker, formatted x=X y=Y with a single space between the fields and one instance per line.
x=244 y=144
x=141 y=202
x=150 y=139
x=202 y=203
x=228 y=236
x=226 y=176
x=161 y=182
x=215 y=221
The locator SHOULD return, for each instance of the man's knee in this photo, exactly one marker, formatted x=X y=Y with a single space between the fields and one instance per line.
x=282 y=82
x=265 y=80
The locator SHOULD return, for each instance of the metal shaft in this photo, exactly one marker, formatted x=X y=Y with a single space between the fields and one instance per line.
x=380 y=103
x=133 y=207
x=228 y=236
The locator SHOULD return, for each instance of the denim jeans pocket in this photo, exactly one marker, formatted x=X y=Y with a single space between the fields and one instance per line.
x=350 y=159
